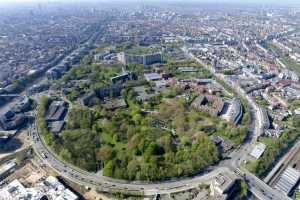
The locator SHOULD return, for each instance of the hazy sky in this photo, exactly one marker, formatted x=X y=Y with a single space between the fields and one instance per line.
x=206 y=1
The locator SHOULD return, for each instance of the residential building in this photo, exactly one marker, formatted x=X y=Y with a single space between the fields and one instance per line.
x=146 y=59
x=50 y=189
x=222 y=186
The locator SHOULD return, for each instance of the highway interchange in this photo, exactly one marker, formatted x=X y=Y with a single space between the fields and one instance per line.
x=233 y=165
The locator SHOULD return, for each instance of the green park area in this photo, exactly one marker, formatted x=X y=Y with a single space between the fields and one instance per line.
x=132 y=144
x=157 y=139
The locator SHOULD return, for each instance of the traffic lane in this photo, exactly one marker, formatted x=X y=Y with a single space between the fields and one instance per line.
x=52 y=161
x=84 y=178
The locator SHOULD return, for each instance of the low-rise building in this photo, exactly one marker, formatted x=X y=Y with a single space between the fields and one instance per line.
x=53 y=74
x=22 y=104
x=10 y=120
x=50 y=189
x=88 y=99
x=56 y=127
x=110 y=91
x=114 y=103
x=38 y=88
x=234 y=111
x=210 y=104
x=222 y=186
x=101 y=56
x=223 y=144
x=288 y=180
x=6 y=169
x=187 y=69
x=6 y=135
x=124 y=76
x=161 y=83
x=56 y=111
x=273 y=133
x=142 y=94
x=258 y=150
x=297 y=111
x=152 y=76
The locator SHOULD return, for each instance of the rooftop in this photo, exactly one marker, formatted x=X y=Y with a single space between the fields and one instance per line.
x=288 y=180
x=152 y=76
x=258 y=150
x=50 y=188
x=6 y=167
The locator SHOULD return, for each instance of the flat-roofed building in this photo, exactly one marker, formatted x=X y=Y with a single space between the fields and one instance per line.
x=152 y=76
x=288 y=180
x=6 y=135
x=89 y=99
x=56 y=127
x=6 y=169
x=187 y=69
x=222 y=186
x=50 y=188
x=110 y=91
x=10 y=120
x=142 y=94
x=115 y=103
x=125 y=76
x=258 y=150
x=146 y=59
x=101 y=56
x=234 y=112
x=161 y=83
x=16 y=190
x=38 y=88
x=210 y=104
x=56 y=111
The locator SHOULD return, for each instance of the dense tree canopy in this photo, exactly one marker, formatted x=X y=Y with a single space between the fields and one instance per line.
x=131 y=143
x=135 y=145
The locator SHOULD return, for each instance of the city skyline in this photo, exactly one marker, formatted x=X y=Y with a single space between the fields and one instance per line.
x=19 y=2
x=150 y=99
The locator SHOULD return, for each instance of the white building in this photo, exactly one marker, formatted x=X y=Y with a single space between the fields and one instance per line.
x=50 y=188
x=6 y=169
x=258 y=150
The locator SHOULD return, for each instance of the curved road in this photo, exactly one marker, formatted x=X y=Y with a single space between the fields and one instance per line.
x=256 y=186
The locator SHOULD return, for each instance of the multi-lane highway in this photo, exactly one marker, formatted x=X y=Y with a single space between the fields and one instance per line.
x=233 y=165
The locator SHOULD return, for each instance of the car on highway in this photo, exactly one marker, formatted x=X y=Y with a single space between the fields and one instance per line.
x=44 y=155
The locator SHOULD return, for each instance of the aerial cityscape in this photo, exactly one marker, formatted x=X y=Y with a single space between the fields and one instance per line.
x=149 y=100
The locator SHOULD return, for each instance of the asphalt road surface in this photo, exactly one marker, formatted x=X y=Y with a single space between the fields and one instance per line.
x=232 y=165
